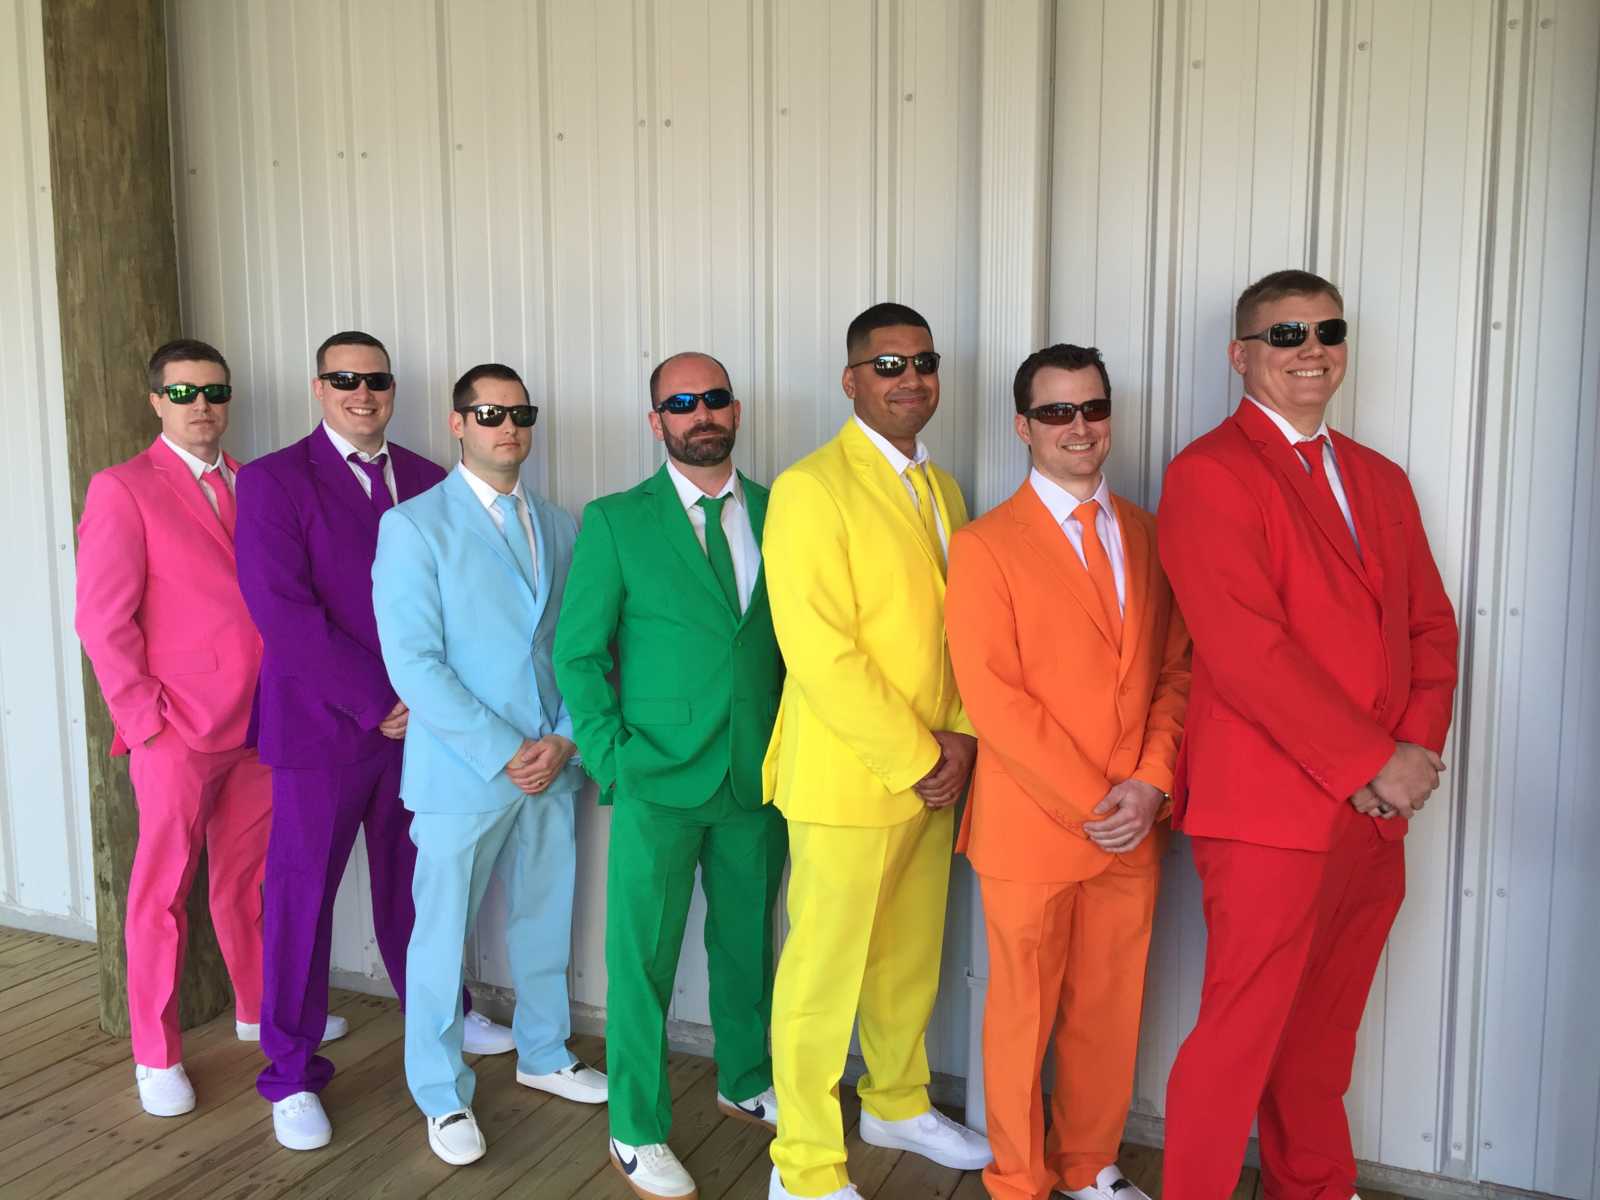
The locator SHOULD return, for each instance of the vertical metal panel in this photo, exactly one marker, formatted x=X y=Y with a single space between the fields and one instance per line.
x=1540 y=1044
x=45 y=866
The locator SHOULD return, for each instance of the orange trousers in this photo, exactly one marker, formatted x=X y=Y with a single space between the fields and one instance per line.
x=1066 y=963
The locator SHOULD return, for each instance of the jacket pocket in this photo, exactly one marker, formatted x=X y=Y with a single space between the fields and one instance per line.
x=181 y=662
x=655 y=712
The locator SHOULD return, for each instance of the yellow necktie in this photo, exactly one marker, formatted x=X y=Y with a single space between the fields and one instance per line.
x=917 y=473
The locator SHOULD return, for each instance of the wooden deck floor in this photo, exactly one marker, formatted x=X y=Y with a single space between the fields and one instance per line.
x=71 y=1125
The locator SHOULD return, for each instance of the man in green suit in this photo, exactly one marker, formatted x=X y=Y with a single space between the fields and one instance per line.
x=669 y=573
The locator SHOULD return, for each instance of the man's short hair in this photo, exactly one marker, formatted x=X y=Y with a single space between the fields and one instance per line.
x=464 y=394
x=655 y=375
x=1064 y=355
x=350 y=337
x=183 y=350
x=1277 y=286
x=880 y=316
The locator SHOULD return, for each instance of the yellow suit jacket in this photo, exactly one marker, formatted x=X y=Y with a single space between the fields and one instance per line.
x=857 y=595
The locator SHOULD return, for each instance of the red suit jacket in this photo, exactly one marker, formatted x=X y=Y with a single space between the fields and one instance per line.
x=1311 y=660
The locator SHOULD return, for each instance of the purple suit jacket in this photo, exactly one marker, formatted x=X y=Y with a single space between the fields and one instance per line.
x=305 y=539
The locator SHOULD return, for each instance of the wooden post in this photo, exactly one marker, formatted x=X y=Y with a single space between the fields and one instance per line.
x=117 y=279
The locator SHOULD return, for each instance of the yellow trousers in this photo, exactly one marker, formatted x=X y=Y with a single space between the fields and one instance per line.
x=866 y=927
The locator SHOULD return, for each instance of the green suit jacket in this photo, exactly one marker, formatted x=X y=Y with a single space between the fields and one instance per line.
x=697 y=684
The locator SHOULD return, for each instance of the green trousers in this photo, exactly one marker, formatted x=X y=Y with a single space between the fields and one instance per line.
x=649 y=885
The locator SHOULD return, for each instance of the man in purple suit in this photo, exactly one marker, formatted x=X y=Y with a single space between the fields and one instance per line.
x=330 y=725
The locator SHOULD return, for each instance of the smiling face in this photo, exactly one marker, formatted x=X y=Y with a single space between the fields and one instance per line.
x=361 y=416
x=1294 y=381
x=899 y=407
x=199 y=425
x=1070 y=455
x=497 y=452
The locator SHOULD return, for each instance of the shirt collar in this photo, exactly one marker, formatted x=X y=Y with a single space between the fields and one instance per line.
x=1289 y=431
x=197 y=466
x=486 y=492
x=345 y=449
x=890 y=451
x=689 y=493
x=1062 y=503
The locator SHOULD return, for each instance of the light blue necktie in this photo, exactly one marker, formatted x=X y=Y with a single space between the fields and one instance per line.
x=516 y=537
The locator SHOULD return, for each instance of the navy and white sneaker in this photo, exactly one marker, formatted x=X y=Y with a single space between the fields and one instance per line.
x=760 y=1109
x=653 y=1171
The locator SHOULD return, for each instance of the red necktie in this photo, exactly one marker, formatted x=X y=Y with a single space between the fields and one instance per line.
x=382 y=499
x=221 y=497
x=1099 y=566
x=1310 y=452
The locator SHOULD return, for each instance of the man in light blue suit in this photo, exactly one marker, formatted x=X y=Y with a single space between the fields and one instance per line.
x=467 y=585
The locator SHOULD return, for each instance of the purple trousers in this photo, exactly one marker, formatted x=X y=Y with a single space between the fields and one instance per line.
x=315 y=814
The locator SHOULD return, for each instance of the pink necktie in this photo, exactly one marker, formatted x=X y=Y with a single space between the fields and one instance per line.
x=221 y=497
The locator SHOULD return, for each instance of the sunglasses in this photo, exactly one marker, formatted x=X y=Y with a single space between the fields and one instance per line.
x=185 y=393
x=1066 y=414
x=349 y=381
x=489 y=415
x=892 y=366
x=1288 y=334
x=682 y=403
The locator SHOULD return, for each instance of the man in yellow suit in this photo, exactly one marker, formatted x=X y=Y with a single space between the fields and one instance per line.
x=869 y=755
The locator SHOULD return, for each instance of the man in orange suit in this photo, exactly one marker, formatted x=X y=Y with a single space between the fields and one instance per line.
x=1073 y=665
x=1324 y=678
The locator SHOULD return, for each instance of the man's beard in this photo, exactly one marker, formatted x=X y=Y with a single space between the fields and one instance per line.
x=700 y=451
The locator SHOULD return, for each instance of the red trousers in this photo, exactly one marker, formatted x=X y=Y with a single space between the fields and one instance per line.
x=189 y=800
x=1293 y=941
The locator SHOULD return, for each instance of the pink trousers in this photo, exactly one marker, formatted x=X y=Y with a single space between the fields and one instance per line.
x=189 y=801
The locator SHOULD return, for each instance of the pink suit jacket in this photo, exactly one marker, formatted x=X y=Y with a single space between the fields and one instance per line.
x=159 y=610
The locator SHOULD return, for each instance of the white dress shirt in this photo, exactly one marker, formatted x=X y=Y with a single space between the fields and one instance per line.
x=198 y=467
x=1329 y=462
x=487 y=494
x=901 y=464
x=1062 y=504
x=735 y=526
x=345 y=450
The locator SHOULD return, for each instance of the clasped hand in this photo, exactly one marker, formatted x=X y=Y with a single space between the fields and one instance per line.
x=538 y=761
x=1127 y=813
x=1403 y=786
x=942 y=786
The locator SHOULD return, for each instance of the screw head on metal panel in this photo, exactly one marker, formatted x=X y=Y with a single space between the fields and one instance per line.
x=1497 y=325
x=1427 y=1137
x=341 y=154
x=1511 y=24
x=1501 y=892
x=1547 y=22
x=1516 y=612
x=1483 y=612
x=458 y=145
x=363 y=154
x=1455 y=1145
x=1488 y=1145
x=192 y=171
x=784 y=111
x=667 y=122
x=1196 y=63
x=1361 y=45
x=910 y=95
x=561 y=137
x=641 y=122
x=1467 y=892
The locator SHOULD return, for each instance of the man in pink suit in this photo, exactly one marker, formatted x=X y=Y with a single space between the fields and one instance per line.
x=162 y=620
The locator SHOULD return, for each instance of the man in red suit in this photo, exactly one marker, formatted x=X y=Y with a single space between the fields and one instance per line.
x=1324 y=678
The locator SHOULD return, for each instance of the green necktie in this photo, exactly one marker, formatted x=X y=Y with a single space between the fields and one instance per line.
x=717 y=549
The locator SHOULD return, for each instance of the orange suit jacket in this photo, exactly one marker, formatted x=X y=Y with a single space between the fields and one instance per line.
x=1062 y=714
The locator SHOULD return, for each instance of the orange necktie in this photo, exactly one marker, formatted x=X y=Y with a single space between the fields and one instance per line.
x=1099 y=566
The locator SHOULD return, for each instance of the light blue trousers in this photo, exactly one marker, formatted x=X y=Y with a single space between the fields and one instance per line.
x=532 y=844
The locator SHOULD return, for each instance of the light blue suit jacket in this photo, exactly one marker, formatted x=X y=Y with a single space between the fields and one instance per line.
x=467 y=644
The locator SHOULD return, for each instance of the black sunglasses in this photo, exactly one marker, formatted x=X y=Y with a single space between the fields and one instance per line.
x=185 y=393
x=1065 y=414
x=1288 y=334
x=489 y=415
x=349 y=381
x=891 y=366
x=681 y=403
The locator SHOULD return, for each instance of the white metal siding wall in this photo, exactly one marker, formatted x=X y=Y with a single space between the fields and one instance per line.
x=45 y=863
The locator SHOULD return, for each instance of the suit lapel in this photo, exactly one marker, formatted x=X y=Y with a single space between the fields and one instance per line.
x=870 y=462
x=335 y=476
x=540 y=520
x=679 y=534
x=177 y=476
x=1358 y=485
x=1040 y=531
x=481 y=524
x=755 y=500
x=1136 y=555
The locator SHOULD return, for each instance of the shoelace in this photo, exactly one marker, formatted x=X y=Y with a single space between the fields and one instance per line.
x=656 y=1156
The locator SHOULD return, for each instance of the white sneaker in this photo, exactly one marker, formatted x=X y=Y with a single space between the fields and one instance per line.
x=932 y=1135
x=456 y=1138
x=776 y=1191
x=479 y=1035
x=336 y=1028
x=760 y=1109
x=653 y=1171
x=575 y=1082
x=165 y=1091
x=1111 y=1182
x=300 y=1123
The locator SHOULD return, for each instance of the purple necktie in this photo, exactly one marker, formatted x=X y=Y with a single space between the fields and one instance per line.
x=381 y=499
